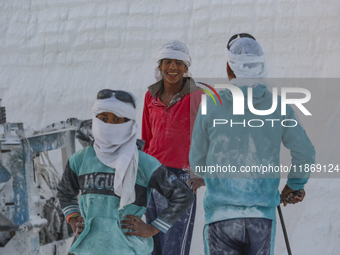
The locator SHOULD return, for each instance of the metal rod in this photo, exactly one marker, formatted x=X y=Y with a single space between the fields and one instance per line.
x=284 y=230
x=9 y=228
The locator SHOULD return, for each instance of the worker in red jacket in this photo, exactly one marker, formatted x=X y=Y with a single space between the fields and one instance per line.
x=170 y=109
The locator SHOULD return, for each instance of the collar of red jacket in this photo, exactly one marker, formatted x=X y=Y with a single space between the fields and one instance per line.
x=189 y=86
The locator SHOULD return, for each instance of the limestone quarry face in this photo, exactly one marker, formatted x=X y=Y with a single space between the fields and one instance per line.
x=56 y=55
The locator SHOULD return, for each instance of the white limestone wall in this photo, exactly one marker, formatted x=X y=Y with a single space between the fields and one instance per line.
x=56 y=54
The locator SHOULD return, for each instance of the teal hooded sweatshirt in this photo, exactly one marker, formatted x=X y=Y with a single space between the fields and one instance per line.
x=99 y=205
x=231 y=155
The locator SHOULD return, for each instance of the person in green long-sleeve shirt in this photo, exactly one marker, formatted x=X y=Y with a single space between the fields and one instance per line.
x=115 y=180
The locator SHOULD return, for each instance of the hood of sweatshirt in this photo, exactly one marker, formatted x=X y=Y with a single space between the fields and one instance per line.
x=259 y=91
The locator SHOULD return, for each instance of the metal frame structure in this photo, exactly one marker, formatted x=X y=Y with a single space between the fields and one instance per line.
x=20 y=200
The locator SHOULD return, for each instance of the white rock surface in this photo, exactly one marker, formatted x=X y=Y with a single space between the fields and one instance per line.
x=55 y=55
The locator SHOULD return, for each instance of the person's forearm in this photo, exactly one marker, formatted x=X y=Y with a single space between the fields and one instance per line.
x=179 y=195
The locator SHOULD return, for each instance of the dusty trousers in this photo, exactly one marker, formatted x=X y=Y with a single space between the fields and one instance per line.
x=242 y=236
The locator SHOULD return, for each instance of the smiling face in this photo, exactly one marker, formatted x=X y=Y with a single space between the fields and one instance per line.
x=111 y=118
x=173 y=70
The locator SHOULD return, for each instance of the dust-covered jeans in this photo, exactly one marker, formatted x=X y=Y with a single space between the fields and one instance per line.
x=242 y=236
x=177 y=240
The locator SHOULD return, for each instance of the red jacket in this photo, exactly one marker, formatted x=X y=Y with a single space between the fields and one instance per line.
x=167 y=130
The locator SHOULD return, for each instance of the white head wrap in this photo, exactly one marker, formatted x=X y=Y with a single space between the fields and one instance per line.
x=246 y=58
x=115 y=145
x=173 y=50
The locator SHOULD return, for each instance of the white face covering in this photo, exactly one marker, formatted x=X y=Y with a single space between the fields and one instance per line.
x=115 y=145
x=246 y=59
x=173 y=50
